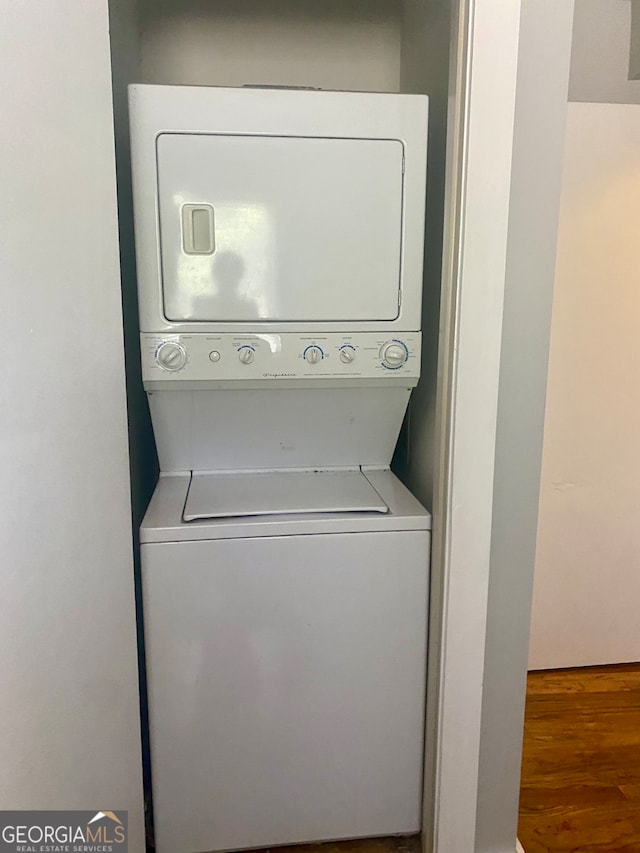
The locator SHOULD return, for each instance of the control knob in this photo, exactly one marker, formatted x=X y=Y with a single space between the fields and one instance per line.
x=171 y=356
x=246 y=355
x=313 y=355
x=393 y=354
x=347 y=354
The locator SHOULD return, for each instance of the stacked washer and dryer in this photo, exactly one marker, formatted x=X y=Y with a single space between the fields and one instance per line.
x=279 y=242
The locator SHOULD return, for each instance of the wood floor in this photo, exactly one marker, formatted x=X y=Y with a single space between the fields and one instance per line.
x=581 y=762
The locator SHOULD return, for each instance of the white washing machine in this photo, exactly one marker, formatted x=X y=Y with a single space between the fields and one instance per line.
x=279 y=239
x=285 y=658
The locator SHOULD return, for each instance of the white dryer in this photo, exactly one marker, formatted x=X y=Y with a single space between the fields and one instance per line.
x=279 y=240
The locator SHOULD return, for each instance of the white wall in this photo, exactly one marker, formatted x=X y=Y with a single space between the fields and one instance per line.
x=69 y=721
x=587 y=583
x=335 y=44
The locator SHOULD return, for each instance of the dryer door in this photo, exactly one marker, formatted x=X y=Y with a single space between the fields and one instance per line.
x=265 y=228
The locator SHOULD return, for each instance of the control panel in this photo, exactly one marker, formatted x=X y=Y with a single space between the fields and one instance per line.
x=268 y=357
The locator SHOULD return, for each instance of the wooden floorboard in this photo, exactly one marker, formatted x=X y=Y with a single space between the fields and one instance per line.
x=581 y=761
x=392 y=844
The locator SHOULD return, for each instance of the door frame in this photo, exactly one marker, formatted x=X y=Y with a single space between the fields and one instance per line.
x=501 y=126
x=482 y=94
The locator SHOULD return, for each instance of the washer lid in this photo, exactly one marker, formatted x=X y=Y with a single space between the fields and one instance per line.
x=224 y=495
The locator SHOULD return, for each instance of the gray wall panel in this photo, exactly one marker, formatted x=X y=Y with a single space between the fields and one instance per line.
x=600 y=53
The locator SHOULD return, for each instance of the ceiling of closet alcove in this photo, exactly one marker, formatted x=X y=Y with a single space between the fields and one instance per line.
x=333 y=44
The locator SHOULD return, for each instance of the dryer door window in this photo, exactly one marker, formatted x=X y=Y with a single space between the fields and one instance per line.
x=257 y=228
